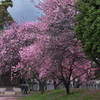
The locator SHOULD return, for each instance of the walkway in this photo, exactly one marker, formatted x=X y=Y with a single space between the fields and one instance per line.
x=8 y=98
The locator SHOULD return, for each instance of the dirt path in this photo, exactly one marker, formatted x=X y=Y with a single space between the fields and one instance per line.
x=8 y=98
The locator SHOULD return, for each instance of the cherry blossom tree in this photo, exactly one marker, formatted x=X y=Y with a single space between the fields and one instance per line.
x=33 y=60
x=18 y=39
x=65 y=50
x=11 y=43
x=68 y=62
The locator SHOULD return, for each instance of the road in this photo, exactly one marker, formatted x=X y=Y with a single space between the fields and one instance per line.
x=8 y=98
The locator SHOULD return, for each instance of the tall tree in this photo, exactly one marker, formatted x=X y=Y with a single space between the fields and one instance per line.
x=67 y=61
x=64 y=53
x=87 y=27
x=5 y=17
x=6 y=3
x=32 y=62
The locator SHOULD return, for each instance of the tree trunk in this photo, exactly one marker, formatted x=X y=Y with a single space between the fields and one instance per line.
x=55 y=85
x=67 y=90
x=46 y=85
x=42 y=90
x=67 y=87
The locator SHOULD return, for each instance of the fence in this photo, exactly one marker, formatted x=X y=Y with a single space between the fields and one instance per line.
x=50 y=86
x=90 y=86
x=35 y=86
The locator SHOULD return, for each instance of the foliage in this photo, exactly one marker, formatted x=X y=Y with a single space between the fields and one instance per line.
x=56 y=53
x=58 y=16
x=67 y=61
x=6 y=3
x=20 y=50
x=64 y=49
x=5 y=17
x=11 y=43
x=48 y=48
x=87 y=27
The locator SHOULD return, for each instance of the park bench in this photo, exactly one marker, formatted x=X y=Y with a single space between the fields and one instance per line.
x=17 y=90
x=2 y=90
x=10 y=93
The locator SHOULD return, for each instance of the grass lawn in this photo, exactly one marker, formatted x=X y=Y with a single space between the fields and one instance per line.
x=80 y=94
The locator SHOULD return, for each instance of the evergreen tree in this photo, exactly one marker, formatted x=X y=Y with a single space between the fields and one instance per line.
x=5 y=17
x=6 y=3
x=87 y=27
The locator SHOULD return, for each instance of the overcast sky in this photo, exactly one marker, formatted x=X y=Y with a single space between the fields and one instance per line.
x=23 y=10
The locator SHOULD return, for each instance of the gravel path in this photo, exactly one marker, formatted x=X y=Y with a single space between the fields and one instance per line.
x=8 y=98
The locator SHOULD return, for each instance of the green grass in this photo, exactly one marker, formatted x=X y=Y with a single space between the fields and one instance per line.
x=85 y=94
